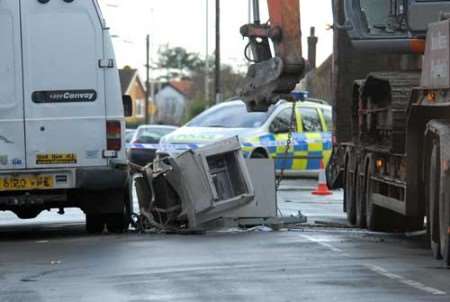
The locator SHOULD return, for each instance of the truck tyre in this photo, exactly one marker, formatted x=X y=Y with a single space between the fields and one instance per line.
x=333 y=174
x=361 y=188
x=349 y=193
x=374 y=214
x=444 y=229
x=434 y=176
x=95 y=223
x=444 y=217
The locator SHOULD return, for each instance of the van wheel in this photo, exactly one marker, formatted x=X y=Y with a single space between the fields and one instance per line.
x=116 y=223
x=27 y=213
x=95 y=223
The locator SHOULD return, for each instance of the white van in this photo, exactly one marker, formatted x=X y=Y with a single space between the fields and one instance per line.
x=61 y=113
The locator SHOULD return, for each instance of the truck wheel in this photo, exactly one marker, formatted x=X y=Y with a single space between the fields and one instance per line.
x=95 y=223
x=444 y=219
x=349 y=194
x=332 y=172
x=433 y=202
x=444 y=232
x=374 y=214
x=361 y=187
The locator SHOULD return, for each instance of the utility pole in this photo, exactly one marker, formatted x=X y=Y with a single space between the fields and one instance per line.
x=218 y=84
x=250 y=11
x=147 y=81
x=207 y=99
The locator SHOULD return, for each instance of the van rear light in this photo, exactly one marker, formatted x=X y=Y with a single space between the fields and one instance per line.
x=113 y=135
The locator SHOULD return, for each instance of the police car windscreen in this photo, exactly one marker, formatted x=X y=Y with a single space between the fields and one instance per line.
x=229 y=116
x=152 y=135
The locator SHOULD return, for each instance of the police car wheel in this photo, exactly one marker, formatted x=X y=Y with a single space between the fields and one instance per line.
x=258 y=154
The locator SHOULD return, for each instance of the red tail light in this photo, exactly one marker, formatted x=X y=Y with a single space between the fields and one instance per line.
x=113 y=135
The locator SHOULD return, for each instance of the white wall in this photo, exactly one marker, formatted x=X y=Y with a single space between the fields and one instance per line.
x=171 y=106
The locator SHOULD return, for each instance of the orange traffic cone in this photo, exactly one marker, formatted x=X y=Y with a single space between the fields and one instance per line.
x=322 y=187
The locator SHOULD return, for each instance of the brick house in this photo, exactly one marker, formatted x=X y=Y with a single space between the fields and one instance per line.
x=132 y=85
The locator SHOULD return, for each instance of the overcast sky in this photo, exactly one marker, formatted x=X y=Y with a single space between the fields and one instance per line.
x=183 y=23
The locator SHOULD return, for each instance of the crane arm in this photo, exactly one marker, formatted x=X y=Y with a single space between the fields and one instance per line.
x=273 y=76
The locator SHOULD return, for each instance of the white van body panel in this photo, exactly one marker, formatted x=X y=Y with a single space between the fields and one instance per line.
x=62 y=56
x=12 y=140
x=59 y=86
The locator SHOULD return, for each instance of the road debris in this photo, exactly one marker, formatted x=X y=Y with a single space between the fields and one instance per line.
x=198 y=186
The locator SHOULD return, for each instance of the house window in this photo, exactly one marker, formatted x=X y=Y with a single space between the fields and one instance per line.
x=140 y=108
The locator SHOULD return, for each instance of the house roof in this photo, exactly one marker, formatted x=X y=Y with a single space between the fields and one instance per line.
x=127 y=76
x=185 y=87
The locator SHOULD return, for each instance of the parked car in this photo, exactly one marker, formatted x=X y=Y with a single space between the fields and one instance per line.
x=264 y=134
x=145 y=143
x=129 y=134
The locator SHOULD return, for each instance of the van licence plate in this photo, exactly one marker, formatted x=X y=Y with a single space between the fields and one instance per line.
x=30 y=182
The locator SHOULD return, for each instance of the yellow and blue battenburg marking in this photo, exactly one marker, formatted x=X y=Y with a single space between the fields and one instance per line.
x=309 y=151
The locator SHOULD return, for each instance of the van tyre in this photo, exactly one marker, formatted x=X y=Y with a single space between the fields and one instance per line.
x=95 y=223
x=116 y=223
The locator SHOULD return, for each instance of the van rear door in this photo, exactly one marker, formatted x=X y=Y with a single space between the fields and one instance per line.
x=12 y=141
x=65 y=123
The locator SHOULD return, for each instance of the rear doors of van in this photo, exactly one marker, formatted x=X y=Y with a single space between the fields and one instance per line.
x=52 y=87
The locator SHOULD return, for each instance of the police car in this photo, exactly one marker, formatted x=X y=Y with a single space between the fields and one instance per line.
x=145 y=142
x=264 y=134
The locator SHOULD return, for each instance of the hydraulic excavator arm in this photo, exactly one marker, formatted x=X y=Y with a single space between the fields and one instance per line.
x=273 y=76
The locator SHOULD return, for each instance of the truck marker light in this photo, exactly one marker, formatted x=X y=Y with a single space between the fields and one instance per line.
x=379 y=164
x=431 y=97
x=445 y=165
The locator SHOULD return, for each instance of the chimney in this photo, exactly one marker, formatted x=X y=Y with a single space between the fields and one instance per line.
x=312 y=47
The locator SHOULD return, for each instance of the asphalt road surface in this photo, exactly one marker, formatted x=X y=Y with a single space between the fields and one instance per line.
x=52 y=259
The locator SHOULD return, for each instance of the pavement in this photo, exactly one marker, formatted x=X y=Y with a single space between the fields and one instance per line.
x=52 y=259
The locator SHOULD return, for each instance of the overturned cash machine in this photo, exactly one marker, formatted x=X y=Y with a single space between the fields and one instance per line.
x=195 y=187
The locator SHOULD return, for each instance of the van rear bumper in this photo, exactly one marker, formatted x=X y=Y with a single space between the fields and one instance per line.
x=84 y=178
x=98 y=179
